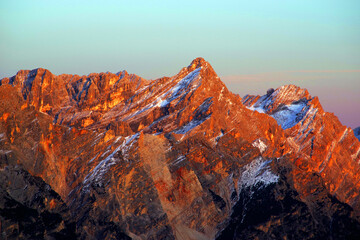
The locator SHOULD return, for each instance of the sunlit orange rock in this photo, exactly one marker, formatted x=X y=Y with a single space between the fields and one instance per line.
x=181 y=157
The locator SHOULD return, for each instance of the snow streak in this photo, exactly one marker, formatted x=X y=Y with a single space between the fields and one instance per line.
x=257 y=174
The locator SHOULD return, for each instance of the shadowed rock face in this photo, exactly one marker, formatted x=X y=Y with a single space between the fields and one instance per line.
x=181 y=157
x=277 y=211
x=29 y=208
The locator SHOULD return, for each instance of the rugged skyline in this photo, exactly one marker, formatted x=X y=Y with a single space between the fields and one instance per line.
x=253 y=45
x=109 y=156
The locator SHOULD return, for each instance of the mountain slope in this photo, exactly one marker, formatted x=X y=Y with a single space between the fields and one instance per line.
x=328 y=147
x=172 y=158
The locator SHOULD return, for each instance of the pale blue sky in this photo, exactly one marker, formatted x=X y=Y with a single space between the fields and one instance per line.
x=157 y=38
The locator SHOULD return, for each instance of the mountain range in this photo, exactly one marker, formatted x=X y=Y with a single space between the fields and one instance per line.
x=116 y=156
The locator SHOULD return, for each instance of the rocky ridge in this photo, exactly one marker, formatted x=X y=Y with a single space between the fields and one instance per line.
x=315 y=135
x=174 y=158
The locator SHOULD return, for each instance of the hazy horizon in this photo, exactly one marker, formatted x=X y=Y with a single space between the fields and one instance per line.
x=251 y=45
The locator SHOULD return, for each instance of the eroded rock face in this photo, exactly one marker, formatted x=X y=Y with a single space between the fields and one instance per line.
x=275 y=210
x=181 y=157
x=325 y=146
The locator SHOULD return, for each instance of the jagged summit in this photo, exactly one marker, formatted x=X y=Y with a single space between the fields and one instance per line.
x=284 y=95
x=106 y=95
x=198 y=62
x=21 y=75
x=293 y=90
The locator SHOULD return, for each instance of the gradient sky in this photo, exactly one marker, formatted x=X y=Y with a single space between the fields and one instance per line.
x=252 y=45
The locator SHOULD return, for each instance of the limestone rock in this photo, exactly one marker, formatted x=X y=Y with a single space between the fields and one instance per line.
x=181 y=157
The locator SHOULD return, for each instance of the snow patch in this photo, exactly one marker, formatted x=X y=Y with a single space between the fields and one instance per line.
x=344 y=134
x=179 y=88
x=178 y=160
x=289 y=115
x=258 y=109
x=262 y=104
x=328 y=157
x=183 y=87
x=286 y=116
x=200 y=117
x=106 y=152
x=127 y=145
x=260 y=145
x=221 y=94
x=190 y=125
x=96 y=175
x=91 y=160
x=356 y=154
x=99 y=171
x=257 y=174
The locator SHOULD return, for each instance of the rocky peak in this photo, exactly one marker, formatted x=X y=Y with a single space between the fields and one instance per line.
x=198 y=62
x=206 y=70
x=292 y=92
x=275 y=99
x=314 y=134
